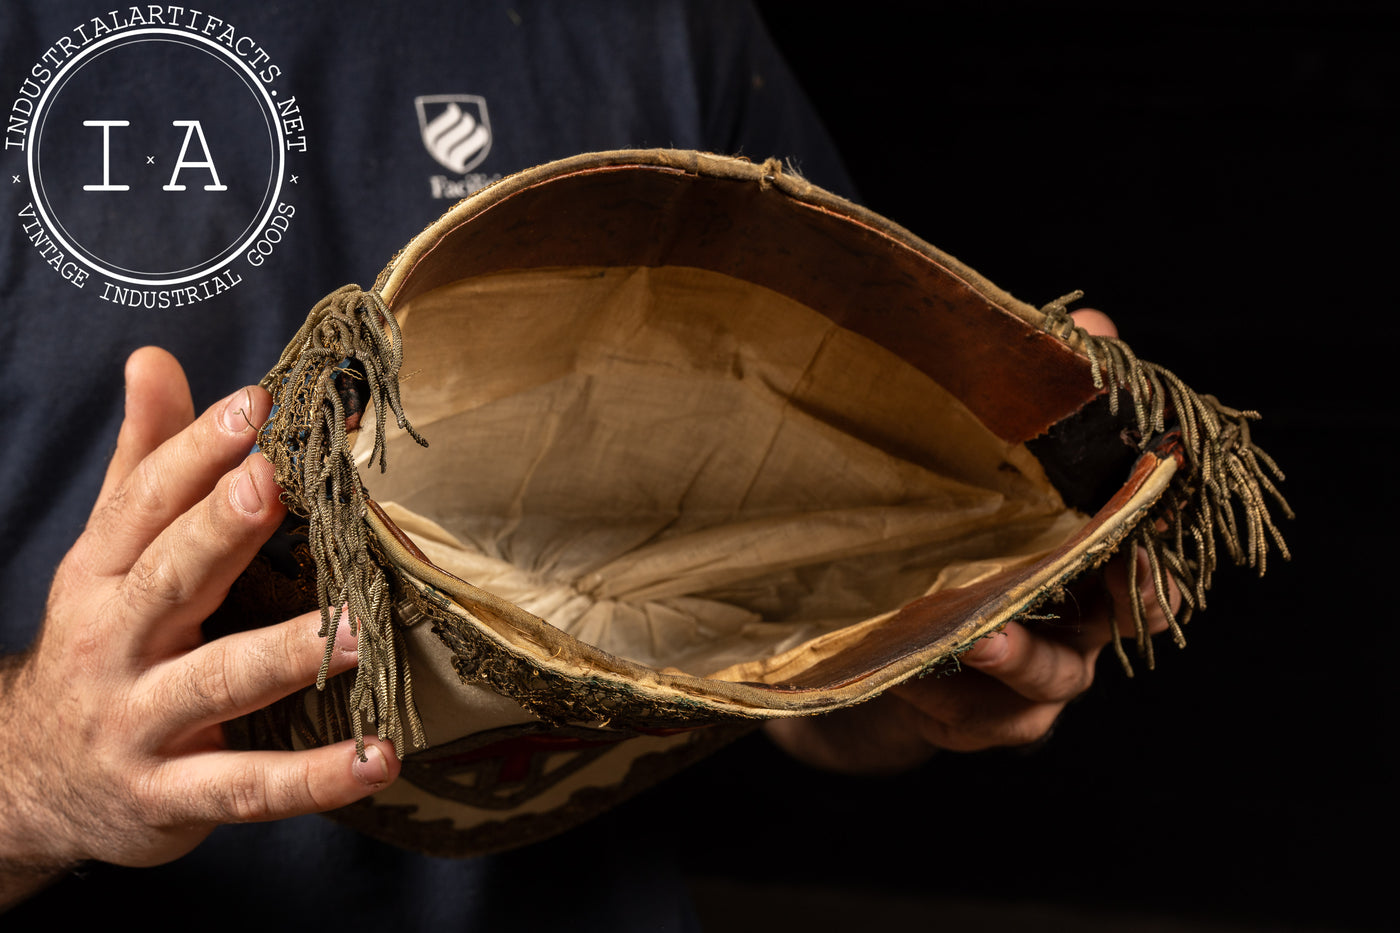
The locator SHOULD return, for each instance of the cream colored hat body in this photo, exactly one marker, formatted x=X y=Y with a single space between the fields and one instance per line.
x=706 y=445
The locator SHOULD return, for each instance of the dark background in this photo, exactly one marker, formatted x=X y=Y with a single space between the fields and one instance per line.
x=1219 y=178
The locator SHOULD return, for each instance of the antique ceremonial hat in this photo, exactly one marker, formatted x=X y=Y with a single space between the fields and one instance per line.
x=629 y=452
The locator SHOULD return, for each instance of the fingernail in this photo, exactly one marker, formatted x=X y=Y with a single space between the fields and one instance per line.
x=237 y=416
x=374 y=770
x=245 y=493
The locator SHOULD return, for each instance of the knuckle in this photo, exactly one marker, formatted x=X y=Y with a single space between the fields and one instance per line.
x=1056 y=673
x=1070 y=680
x=257 y=666
x=147 y=800
x=211 y=685
x=298 y=651
x=279 y=792
x=154 y=582
x=939 y=734
x=303 y=790
x=144 y=488
x=959 y=727
x=1030 y=727
x=246 y=797
x=962 y=727
x=87 y=647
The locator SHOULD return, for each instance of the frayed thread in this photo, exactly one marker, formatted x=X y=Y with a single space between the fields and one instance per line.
x=349 y=333
x=1222 y=497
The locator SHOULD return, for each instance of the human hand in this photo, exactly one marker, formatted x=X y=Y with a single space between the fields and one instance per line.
x=115 y=746
x=1012 y=688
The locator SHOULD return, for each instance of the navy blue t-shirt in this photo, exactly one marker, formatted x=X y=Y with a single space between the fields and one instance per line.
x=196 y=179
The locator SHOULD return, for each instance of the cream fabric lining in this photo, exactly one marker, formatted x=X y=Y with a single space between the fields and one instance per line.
x=691 y=471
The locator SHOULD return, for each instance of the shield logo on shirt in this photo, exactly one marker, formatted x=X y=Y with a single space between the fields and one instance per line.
x=455 y=129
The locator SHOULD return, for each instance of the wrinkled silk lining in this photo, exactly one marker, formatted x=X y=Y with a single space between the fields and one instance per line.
x=691 y=471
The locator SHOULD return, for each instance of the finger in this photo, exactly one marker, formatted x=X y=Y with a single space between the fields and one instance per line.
x=972 y=711
x=242 y=787
x=169 y=481
x=1120 y=590
x=158 y=406
x=1095 y=322
x=185 y=573
x=1037 y=667
x=245 y=671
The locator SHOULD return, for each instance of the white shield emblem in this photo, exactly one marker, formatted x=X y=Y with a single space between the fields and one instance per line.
x=455 y=129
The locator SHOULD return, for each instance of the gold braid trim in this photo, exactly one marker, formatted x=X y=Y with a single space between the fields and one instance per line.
x=306 y=441
x=1223 y=494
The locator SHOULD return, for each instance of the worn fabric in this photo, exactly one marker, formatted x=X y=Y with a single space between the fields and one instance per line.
x=669 y=478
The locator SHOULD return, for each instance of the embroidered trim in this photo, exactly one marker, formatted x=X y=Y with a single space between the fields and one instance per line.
x=1223 y=495
x=349 y=337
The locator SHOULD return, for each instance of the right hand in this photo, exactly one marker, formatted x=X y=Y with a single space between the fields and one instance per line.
x=115 y=747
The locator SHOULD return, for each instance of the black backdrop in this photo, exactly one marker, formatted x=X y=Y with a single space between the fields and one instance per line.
x=1220 y=178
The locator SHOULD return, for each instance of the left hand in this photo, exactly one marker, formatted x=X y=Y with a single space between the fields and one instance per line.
x=1013 y=687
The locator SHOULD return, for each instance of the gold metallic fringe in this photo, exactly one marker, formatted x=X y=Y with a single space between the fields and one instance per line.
x=1222 y=495
x=306 y=441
